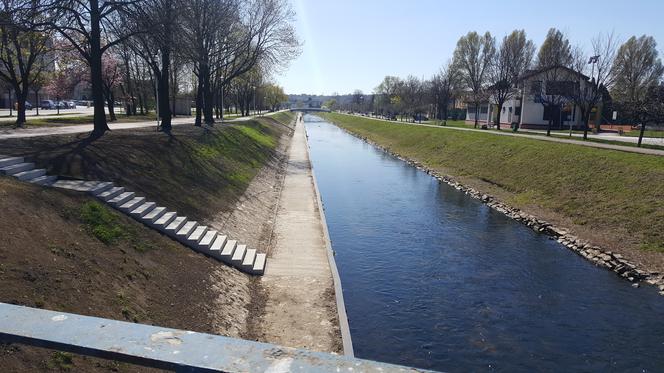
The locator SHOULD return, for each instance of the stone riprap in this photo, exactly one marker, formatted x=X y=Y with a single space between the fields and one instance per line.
x=188 y=232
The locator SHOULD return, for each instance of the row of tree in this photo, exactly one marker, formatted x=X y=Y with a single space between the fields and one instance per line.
x=484 y=70
x=144 y=49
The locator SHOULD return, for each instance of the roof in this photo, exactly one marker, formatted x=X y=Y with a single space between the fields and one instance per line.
x=531 y=73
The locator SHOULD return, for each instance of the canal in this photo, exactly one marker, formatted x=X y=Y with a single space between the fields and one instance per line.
x=435 y=279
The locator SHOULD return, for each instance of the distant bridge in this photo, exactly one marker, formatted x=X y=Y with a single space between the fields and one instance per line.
x=310 y=109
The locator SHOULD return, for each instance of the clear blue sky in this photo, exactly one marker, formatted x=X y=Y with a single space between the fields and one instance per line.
x=353 y=44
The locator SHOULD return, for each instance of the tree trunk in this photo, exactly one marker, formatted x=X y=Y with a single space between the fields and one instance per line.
x=641 y=133
x=500 y=110
x=110 y=101
x=164 y=90
x=585 y=119
x=21 y=96
x=477 y=113
x=100 y=124
x=199 y=102
x=548 y=127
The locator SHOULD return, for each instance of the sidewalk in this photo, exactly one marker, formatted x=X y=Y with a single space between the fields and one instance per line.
x=629 y=149
x=13 y=133
x=301 y=309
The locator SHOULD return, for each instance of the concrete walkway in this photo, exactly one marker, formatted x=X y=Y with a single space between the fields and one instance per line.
x=629 y=149
x=13 y=133
x=301 y=309
x=604 y=136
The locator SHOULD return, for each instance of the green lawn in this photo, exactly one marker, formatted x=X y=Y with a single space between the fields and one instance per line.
x=197 y=170
x=604 y=190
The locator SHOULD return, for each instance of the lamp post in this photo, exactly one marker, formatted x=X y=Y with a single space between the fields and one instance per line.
x=156 y=91
x=592 y=61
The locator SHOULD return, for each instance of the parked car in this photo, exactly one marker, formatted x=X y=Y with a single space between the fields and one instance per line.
x=71 y=104
x=61 y=105
x=47 y=104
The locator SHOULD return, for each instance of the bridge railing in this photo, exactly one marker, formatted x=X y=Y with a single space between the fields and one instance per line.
x=165 y=348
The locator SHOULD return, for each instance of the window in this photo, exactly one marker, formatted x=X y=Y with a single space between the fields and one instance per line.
x=517 y=110
x=560 y=87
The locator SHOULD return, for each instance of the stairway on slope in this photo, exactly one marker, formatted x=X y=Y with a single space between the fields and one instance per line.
x=180 y=228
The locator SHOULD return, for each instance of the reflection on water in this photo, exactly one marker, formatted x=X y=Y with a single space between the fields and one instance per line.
x=435 y=279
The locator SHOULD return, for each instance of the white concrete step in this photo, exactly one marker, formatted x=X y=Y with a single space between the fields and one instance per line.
x=143 y=210
x=238 y=255
x=164 y=221
x=16 y=168
x=111 y=193
x=10 y=161
x=218 y=246
x=31 y=174
x=206 y=242
x=174 y=226
x=153 y=215
x=121 y=199
x=184 y=232
x=195 y=236
x=248 y=260
x=227 y=252
x=101 y=188
x=259 y=265
x=131 y=204
x=44 y=180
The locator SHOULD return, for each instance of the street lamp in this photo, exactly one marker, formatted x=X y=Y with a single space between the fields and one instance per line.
x=156 y=89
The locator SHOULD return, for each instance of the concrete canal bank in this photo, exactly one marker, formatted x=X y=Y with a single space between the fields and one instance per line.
x=303 y=305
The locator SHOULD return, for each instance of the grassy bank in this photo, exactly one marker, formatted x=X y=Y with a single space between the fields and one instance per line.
x=599 y=193
x=197 y=171
x=65 y=251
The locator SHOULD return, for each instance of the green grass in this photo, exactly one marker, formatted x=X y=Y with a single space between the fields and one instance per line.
x=62 y=361
x=197 y=171
x=615 y=192
x=101 y=223
x=647 y=133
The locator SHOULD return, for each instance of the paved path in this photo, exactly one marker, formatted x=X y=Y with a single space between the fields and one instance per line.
x=300 y=310
x=606 y=137
x=623 y=148
x=13 y=133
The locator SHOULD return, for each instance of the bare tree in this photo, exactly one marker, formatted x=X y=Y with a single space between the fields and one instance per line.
x=589 y=93
x=156 y=26
x=514 y=56
x=23 y=50
x=472 y=59
x=92 y=27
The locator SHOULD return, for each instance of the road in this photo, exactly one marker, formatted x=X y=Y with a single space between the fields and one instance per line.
x=629 y=149
x=13 y=133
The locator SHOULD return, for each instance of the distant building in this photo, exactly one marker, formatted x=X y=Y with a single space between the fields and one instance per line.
x=527 y=109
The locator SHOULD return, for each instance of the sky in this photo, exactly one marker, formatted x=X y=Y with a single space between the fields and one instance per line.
x=354 y=44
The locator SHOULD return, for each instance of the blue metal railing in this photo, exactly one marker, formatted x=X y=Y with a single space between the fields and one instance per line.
x=165 y=348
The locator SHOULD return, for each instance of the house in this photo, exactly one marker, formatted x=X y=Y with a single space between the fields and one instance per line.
x=540 y=97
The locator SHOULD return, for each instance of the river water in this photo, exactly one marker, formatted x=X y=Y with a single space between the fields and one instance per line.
x=435 y=279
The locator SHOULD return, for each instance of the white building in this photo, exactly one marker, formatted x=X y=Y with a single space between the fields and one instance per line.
x=526 y=107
